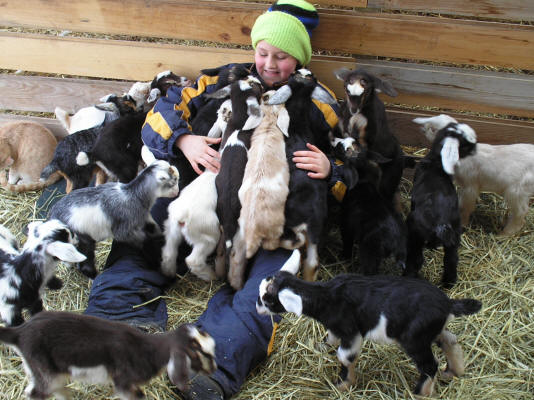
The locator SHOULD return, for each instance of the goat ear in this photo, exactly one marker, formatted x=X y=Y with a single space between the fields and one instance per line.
x=377 y=157
x=449 y=154
x=280 y=96
x=178 y=370
x=385 y=87
x=254 y=119
x=65 y=252
x=153 y=95
x=291 y=301
x=220 y=94
x=292 y=264
x=431 y=125
x=215 y=130
x=342 y=73
x=323 y=96
x=147 y=156
x=283 y=121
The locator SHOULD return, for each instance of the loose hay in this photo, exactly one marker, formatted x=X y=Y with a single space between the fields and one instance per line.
x=498 y=342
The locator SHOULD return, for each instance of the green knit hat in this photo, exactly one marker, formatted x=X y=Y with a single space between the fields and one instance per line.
x=287 y=25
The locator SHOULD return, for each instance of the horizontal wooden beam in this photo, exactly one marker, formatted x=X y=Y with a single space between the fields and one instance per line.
x=489 y=130
x=355 y=32
x=54 y=125
x=418 y=85
x=517 y=10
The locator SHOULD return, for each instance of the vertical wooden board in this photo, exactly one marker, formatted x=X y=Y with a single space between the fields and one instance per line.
x=516 y=10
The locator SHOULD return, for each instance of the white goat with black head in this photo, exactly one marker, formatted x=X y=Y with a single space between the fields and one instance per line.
x=507 y=170
x=385 y=309
x=434 y=218
x=116 y=210
x=56 y=346
x=25 y=273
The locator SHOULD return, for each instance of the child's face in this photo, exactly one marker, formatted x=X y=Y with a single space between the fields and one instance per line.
x=273 y=64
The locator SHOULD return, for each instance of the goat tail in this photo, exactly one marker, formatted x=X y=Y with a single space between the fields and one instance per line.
x=49 y=170
x=26 y=187
x=446 y=234
x=9 y=335
x=63 y=117
x=83 y=158
x=465 y=307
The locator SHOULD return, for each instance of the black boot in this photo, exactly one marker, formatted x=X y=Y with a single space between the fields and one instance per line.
x=202 y=387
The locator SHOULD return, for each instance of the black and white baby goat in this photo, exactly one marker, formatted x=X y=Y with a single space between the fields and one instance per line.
x=306 y=204
x=361 y=97
x=116 y=210
x=410 y=312
x=56 y=346
x=24 y=274
x=434 y=218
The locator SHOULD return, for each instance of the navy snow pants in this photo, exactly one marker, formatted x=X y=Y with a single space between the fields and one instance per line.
x=241 y=335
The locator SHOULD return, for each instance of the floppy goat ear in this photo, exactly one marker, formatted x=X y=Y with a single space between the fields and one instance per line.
x=65 y=252
x=280 y=96
x=322 y=95
x=254 y=112
x=431 y=125
x=178 y=370
x=292 y=302
x=283 y=121
x=293 y=263
x=449 y=154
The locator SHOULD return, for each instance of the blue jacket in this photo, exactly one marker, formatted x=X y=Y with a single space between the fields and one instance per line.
x=171 y=115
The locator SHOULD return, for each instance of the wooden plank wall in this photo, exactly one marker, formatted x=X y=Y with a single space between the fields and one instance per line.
x=458 y=57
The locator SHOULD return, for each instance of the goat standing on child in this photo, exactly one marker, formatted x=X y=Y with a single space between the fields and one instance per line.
x=385 y=309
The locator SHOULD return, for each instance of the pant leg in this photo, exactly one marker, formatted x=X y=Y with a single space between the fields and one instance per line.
x=240 y=333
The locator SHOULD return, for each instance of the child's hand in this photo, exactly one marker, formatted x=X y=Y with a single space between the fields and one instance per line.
x=197 y=151
x=314 y=161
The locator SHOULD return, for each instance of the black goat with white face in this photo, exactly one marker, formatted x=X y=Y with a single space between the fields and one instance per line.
x=361 y=98
x=385 y=309
x=366 y=217
x=57 y=345
x=24 y=274
x=434 y=219
x=306 y=204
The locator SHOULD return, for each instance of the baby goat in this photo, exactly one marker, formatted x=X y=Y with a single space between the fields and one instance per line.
x=385 y=309
x=434 y=218
x=306 y=205
x=57 y=345
x=24 y=274
x=366 y=217
x=507 y=170
x=361 y=90
x=116 y=210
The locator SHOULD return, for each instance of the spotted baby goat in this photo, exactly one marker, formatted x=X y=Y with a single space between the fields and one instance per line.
x=57 y=345
x=434 y=218
x=116 y=210
x=385 y=309
x=24 y=274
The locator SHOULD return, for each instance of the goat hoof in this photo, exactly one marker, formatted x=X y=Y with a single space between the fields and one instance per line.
x=88 y=270
x=447 y=374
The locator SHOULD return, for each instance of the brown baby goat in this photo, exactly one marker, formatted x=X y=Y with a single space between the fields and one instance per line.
x=57 y=345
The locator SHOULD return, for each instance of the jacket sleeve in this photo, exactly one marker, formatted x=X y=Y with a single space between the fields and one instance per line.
x=323 y=121
x=171 y=115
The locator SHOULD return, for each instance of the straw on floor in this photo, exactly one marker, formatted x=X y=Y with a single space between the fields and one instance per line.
x=498 y=342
